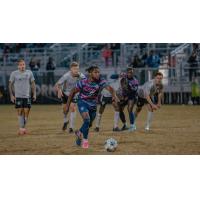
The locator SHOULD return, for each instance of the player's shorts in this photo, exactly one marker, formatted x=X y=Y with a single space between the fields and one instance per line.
x=65 y=98
x=131 y=97
x=23 y=103
x=105 y=100
x=141 y=101
x=84 y=107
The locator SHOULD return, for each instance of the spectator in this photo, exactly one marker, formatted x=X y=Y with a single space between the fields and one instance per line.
x=50 y=71
x=153 y=62
x=195 y=91
x=193 y=65
x=107 y=54
x=34 y=65
x=172 y=65
x=115 y=48
x=136 y=63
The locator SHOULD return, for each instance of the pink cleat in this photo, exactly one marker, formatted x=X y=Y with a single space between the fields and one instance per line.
x=85 y=144
x=21 y=131
x=25 y=132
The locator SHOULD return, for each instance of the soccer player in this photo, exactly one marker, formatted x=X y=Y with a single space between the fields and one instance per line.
x=64 y=85
x=127 y=94
x=106 y=98
x=148 y=93
x=24 y=84
x=88 y=90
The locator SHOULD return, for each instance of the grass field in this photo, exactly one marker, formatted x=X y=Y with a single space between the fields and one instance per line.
x=175 y=130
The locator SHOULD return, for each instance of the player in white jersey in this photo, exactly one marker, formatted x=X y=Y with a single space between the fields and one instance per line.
x=64 y=86
x=21 y=86
x=106 y=98
x=151 y=93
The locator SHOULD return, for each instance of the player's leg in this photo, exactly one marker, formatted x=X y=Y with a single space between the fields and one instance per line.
x=64 y=106
x=149 y=117
x=65 y=120
x=26 y=115
x=20 y=115
x=140 y=104
x=101 y=111
x=82 y=134
x=131 y=115
x=92 y=113
x=72 y=117
x=122 y=116
x=116 y=116
x=27 y=107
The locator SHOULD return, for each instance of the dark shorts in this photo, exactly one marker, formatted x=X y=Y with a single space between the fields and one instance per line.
x=23 y=103
x=141 y=101
x=131 y=97
x=65 y=98
x=105 y=100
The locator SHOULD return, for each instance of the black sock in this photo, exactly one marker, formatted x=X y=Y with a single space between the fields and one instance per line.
x=122 y=117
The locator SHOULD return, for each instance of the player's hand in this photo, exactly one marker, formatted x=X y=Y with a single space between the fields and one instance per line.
x=154 y=107
x=60 y=94
x=159 y=105
x=34 y=98
x=116 y=99
x=12 y=98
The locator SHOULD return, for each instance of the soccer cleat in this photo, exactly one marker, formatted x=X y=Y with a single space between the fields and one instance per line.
x=22 y=131
x=25 y=132
x=78 y=138
x=132 y=128
x=117 y=129
x=124 y=128
x=65 y=126
x=96 y=129
x=147 y=128
x=85 y=144
x=71 y=130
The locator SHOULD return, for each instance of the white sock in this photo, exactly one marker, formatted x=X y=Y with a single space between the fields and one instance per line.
x=149 y=118
x=98 y=120
x=72 y=119
x=65 y=118
x=25 y=121
x=116 y=119
x=21 y=121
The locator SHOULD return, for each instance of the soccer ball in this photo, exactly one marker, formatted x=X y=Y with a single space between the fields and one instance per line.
x=110 y=145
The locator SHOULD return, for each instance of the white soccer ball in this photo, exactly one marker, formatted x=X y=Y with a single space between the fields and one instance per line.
x=110 y=145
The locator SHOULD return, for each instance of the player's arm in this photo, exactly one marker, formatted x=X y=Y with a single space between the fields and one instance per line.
x=59 y=84
x=148 y=98
x=58 y=88
x=112 y=92
x=123 y=83
x=11 y=91
x=160 y=96
x=71 y=96
x=33 y=89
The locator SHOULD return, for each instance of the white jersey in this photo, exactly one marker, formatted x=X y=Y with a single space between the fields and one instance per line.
x=68 y=82
x=149 y=89
x=22 y=83
x=114 y=84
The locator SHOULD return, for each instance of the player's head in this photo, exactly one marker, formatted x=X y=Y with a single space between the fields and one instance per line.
x=74 y=67
x=158 y=78
x=21 y=65
x=94 y=72
x=130 y=72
